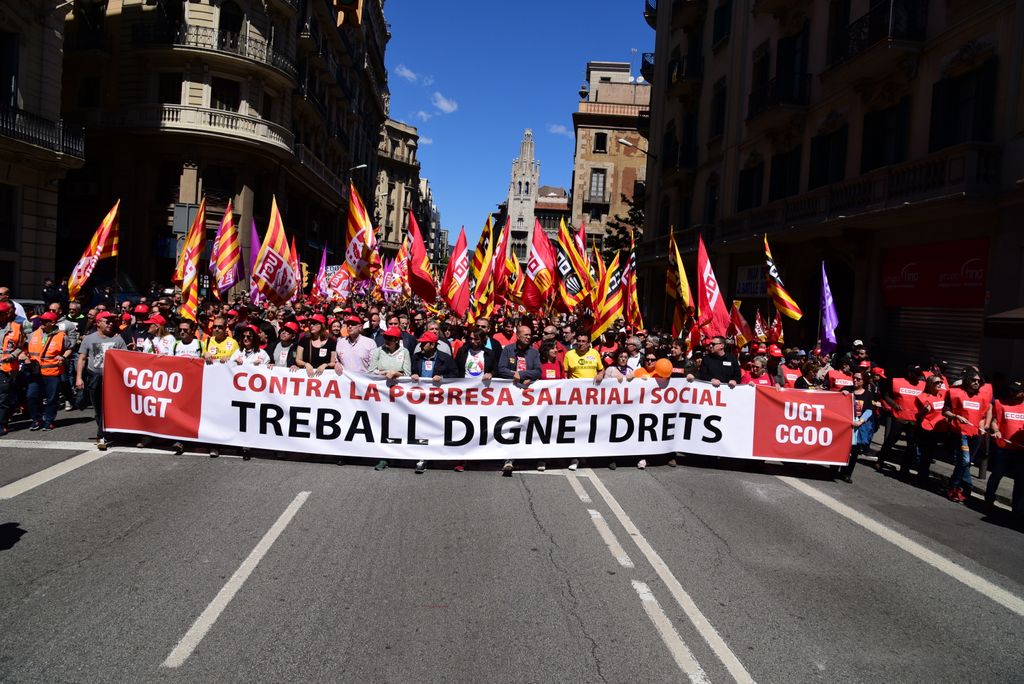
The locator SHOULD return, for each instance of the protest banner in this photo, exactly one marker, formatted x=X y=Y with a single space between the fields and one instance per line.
x=357 y=415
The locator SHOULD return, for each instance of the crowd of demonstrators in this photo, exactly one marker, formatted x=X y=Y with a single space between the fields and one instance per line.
x=49 y=358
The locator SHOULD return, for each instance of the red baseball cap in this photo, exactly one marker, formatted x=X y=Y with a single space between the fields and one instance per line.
x=141 y=309
x=126 y=317
x=292 y=326
x=773 y=350
x=880 y=372
x=156 y=319
x=428 y=337
x=318 y=318
x=49 y=316
x=6 y=307
x=232 y=312
x=393 y=331
x=104 y=315
x=354 y=320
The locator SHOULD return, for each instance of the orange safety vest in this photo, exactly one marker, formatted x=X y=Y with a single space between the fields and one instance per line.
x=49 y=356
x=12 y=342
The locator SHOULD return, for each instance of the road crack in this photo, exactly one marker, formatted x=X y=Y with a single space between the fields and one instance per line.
x=569 y=592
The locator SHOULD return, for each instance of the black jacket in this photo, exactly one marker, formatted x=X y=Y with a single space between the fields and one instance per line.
x=443 y=365
x=721 y=368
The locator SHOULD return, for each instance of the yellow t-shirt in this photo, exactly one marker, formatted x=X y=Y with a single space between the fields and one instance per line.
x=221 y=350
x=586 y=366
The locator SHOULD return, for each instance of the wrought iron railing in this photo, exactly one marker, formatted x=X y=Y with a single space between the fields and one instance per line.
x=791 y=90
x=905 y=20
x=41 y=132
x=251 y=47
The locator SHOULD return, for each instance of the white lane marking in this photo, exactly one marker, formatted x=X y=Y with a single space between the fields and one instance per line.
x=209 y=616
x=609 y=538
x=700 y=622
x=676 y=646
x=577 y=487
x=944 y=565
x=45 y=444
x=52 y=473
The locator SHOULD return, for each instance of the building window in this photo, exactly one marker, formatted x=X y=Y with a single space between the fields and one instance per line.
x=886 y=134
x=718 y=106
x=722 y=24
x=711 y=201
x=267 y=106
x=595 y=213
x=89 y=92
x=9 y=54
x=963 y=108
x=8 y=218
x=519 y=191
x=663 y=213
x=600 y=142
x=838 y=30
x=751 y=188
x=760 y=69
x=828 y=158
x=225 y=94
x=785 y=180
x=527 y=187
x=168 y=88
x=597 y=184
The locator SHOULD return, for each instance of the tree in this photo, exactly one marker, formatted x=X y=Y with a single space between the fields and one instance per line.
x=621 y=227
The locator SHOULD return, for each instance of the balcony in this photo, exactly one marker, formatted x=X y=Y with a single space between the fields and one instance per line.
x=877 y=42
x=305 y=157
x=651 y=13
x=254 y=49
x=969 y=170
x=772 y=104
x=678 y=163
x=215 y=123
x=686 y=14
x=406 y=159
x=685 y=77
x=603 y=197
x=643 y=123
x=647 y=67
x=305 y=93
x=25 y=127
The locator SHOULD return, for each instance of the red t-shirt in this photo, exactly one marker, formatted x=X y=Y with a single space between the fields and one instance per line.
x=905 y=395
x=1009 y=420
x=959 y=403
x=551 y=371
x=763 y=379
x=838 y=380
x=790 y=376
x=929 y=412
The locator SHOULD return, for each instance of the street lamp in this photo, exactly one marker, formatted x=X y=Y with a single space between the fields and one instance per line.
x=357 y=167
x=626 y=143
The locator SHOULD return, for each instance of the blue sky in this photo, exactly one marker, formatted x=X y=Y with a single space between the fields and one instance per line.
x=473 y=76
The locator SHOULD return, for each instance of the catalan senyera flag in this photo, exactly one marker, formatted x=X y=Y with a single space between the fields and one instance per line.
x=608 y=304
x=178 y=277
x=514 y=279
x=226 y=257
x=195 y=243
x=738 y=326
x=104 y=243
x=677 y=287
x=783 y=302
x=714 y=318
x=421 y=277
x=539 y=271
x=573 y=271
x=401 y=264
x=481 y=270
x=274 y=274
x=630 y=295
x=361 y=258
x=455 y=285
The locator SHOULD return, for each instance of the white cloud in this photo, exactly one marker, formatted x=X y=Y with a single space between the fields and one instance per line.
x=426 y=141
x=443 y=104
x=427 y=81
x=424 y=116
x=560 y=129
x=406 y=73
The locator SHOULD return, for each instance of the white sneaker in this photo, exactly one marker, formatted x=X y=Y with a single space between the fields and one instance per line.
x=574 y=464
x=420 y=467
x=641 y=464
x=507 y=467
x=541 y=467
x=101 y=444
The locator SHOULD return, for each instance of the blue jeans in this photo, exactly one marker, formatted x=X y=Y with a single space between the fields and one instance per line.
x=1003 y=462
x=42 y=398
x=966 y=449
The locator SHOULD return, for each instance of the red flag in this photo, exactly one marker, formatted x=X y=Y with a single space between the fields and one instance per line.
x=102 y=245
x=760 y=327
x=188 y=264
x=738 y=326
x=775 y=333
x=455 y=286
x=501 y=270
x=361 y=258
x=296 y=269
x=421 y=278
x=714 y=318
x=273 y=274
x=540 y=271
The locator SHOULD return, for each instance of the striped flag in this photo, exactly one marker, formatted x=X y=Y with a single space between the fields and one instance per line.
x=573 y=271
x=104 y=243
x=226 y=257
x=481 y=271
x=630 y=296
x=738 y=326
x=455 y=286
x=608 y=308
x=760 y=327
x=273 y=272
x=255 y=296
x=188 y=264
x=361 y=258
x=783 y=302
x=502 y=256
x=677 y=287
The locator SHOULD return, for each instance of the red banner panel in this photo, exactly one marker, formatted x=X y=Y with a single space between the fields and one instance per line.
x=815 y=427
x=157 y=395
x=943 y=275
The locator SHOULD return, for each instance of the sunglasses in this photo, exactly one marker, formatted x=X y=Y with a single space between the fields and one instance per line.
x=184 y=330
x=218 y=327
x=651 y=359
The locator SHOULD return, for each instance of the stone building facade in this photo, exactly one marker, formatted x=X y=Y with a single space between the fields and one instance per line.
x=235 y=100
x=522 y=197
x=604 y=169
x=884 y=138
x=37 y=148
x=398 y=184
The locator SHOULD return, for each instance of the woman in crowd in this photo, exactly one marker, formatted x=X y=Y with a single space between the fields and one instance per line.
x=758 y=373
x=249 y=351
x=159 y=341
x=862 y=429
x=550 y=367
x=932 y=427
x=808 y=376
x=620 y=369
x=317 y=352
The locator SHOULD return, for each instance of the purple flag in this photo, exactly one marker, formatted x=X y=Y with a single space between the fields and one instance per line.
x=320 y=284
x=829 y=316
x=255 y=296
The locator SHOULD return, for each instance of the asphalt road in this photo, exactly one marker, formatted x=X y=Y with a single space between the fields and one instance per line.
x=140 y=566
